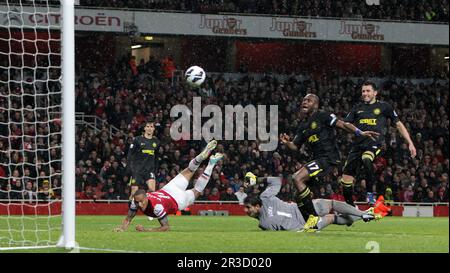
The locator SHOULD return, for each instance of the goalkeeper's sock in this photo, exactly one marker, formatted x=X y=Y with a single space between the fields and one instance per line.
x=347 y=220
x=347 y=209
x=203 y=180
x=305 y=203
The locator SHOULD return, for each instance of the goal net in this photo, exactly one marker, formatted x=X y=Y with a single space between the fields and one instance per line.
x=31 y=116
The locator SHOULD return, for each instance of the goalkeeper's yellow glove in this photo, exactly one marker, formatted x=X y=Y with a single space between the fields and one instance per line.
x=250 y=179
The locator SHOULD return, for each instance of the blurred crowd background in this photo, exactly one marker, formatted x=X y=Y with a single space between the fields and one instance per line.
x=403 y=10
x=128 y=92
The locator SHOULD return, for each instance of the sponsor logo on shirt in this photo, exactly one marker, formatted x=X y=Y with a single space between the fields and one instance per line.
x=313 y=138
x=368 y=121
x=150 y=152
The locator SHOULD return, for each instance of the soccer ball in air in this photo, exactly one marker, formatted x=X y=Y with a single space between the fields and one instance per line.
x=195 y=76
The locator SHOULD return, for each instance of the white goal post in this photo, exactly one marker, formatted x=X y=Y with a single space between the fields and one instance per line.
x=37 y=124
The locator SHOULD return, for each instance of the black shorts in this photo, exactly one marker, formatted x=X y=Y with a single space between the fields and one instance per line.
x=356 y=155
x=321 y=167
x=140 y=179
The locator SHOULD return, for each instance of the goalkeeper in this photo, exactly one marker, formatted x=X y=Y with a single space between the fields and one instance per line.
x=275 y=214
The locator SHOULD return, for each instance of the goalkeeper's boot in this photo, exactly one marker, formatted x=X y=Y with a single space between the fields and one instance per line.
x=250 y=179
x=208 y=149
x=215 y=158
x=311 y=224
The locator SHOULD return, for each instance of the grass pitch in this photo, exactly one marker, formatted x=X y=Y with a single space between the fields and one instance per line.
x=240 y=234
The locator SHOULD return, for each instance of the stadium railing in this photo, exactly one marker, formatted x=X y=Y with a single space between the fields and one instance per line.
x=95 y=123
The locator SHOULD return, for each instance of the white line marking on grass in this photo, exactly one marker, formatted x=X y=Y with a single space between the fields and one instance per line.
x=109 y=250
x=24 y=247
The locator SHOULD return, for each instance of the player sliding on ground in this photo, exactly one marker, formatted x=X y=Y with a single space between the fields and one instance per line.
x=173 y=196
x=275 y=214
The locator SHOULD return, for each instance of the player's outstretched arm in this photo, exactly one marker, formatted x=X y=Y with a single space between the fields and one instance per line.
x=273 y=184
x=347 y=126
x=284 y=138
x=164 y=222
x=126 y=222
x=404 y=132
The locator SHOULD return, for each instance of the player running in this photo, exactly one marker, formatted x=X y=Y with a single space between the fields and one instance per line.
x=275 y=214
x=173 y=196
x=371 y=114
x=317 y=131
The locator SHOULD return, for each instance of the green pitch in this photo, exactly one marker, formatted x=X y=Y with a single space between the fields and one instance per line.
x=241 y=234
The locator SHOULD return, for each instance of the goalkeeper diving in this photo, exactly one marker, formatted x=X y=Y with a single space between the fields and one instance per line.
x=275 y=214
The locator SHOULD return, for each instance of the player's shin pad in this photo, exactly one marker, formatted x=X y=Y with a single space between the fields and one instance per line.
x=347 y=191
x=305 y=204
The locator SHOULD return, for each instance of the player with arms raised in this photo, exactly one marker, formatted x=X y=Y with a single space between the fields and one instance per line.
x=371 y=114
x=317 y=131
x=174 y=196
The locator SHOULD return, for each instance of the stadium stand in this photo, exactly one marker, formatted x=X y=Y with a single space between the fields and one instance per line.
x=403 y=10
x=125 y=101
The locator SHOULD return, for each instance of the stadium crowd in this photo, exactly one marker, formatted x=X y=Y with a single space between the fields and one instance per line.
x=126 y=100
x=410 y=10
x=126 y=95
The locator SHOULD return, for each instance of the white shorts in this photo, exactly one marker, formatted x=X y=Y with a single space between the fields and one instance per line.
x=177 y=189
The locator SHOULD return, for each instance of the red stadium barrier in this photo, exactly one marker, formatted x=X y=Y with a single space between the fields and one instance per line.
x=114 y=208
x=440 y=211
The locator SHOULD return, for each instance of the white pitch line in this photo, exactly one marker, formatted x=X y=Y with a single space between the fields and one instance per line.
x=24 y=247
x=108 y=249
x=73 y=250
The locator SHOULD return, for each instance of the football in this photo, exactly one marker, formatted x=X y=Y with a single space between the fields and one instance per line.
x=195 y=76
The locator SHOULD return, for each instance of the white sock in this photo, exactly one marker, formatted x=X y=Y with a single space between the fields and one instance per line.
x=195 y=163
x=203 y=180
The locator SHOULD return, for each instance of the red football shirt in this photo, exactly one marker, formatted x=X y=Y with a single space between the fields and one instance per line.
x=160 y=203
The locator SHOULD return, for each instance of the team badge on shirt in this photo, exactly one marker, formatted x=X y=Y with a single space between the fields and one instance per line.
x=377 y=111
x=313 y=125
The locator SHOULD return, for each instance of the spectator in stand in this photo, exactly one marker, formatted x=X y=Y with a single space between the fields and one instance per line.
x=430 y=197
x=338 y=195
x=45 y=193
x=228 y=195
x=110 y=194
x=168 y=66
x=241 y=195
x=133 y=66
x=323 y=194
x=214 y=196
x=29 y=194
x=408 y=194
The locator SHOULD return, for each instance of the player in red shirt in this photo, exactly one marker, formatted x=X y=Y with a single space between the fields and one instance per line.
x=174 y=196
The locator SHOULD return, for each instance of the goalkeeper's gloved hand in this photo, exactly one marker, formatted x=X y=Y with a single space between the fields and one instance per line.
x=250 y=179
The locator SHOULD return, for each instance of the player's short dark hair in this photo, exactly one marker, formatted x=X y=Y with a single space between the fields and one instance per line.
x=253 y=200
x=371 y=83
x=139 y=192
